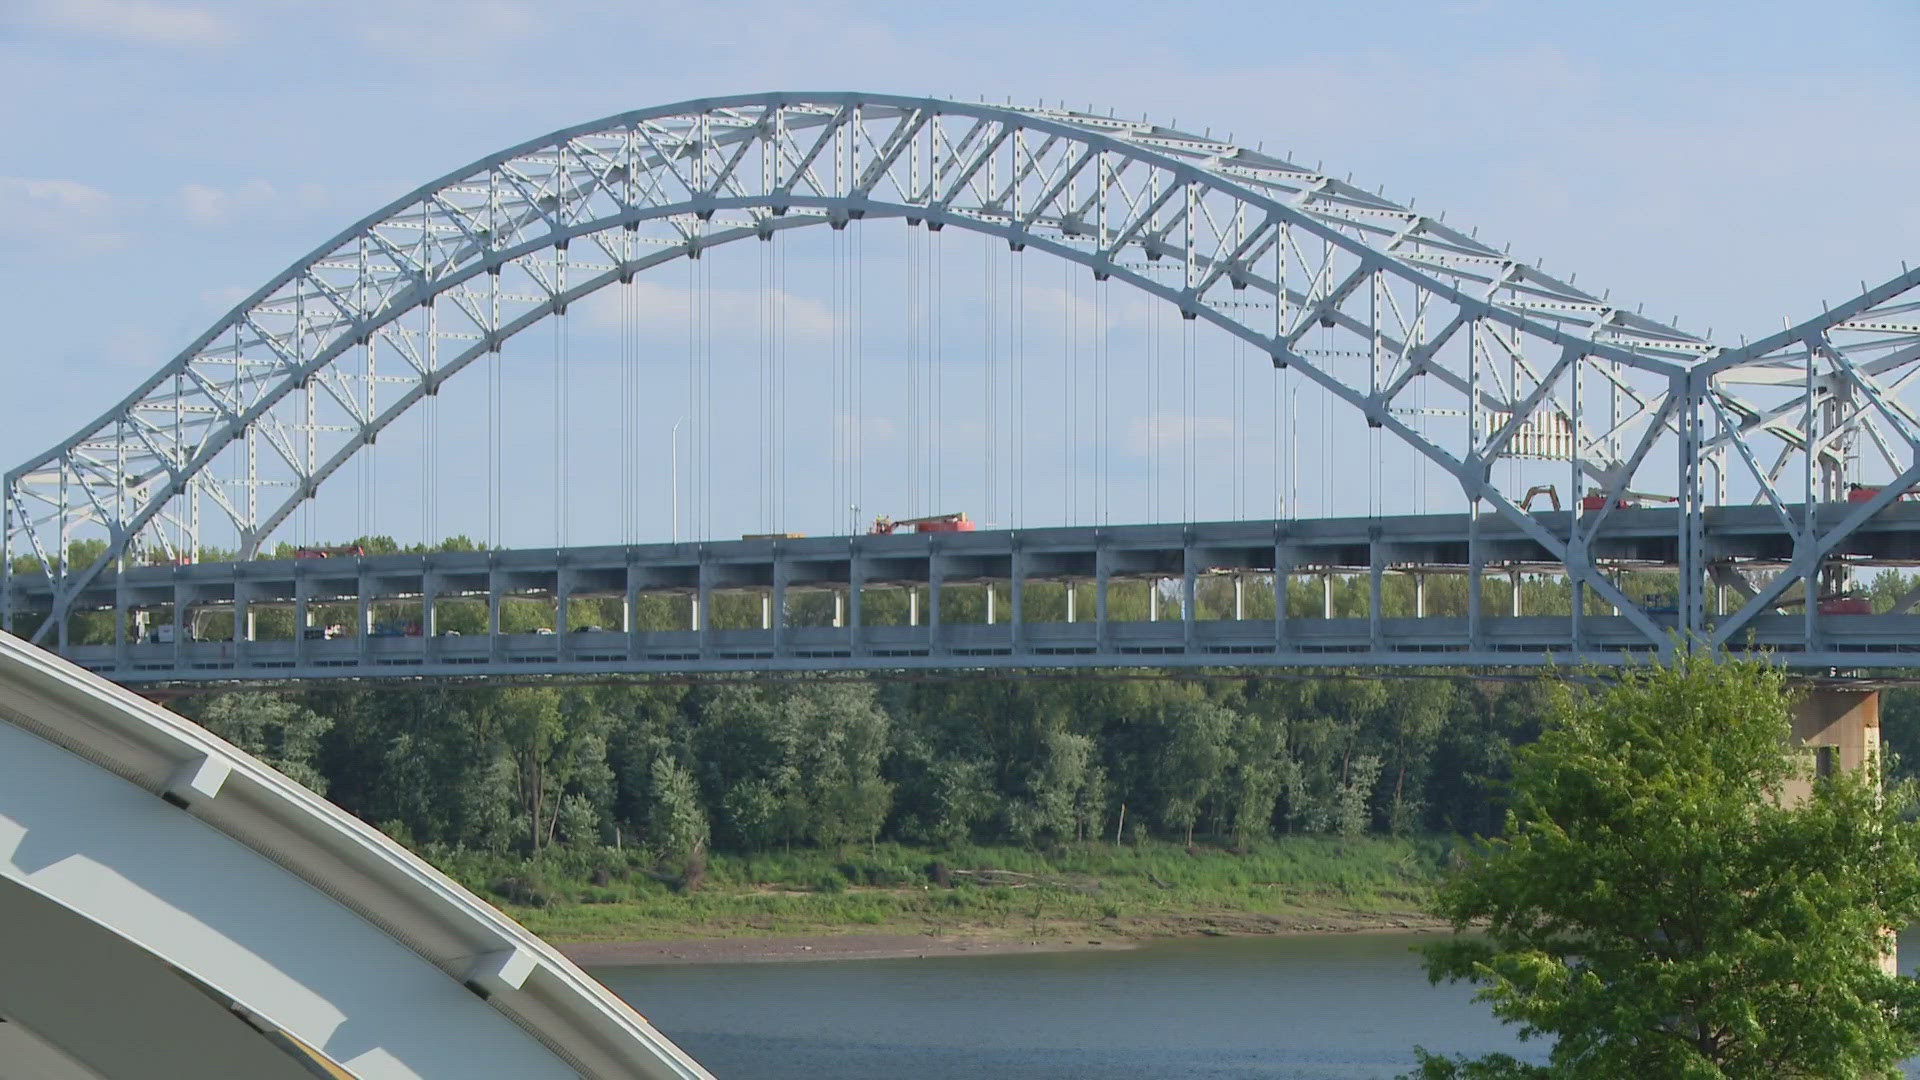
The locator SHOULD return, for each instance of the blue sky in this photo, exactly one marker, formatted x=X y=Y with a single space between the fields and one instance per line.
x=1726 y=163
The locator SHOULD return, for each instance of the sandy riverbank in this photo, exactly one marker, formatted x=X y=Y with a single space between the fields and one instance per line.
x=985 y=942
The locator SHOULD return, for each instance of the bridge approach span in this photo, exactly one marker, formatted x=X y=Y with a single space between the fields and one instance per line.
x=175 y=909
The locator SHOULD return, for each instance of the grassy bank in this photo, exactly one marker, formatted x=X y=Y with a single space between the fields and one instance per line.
x=1133 y=890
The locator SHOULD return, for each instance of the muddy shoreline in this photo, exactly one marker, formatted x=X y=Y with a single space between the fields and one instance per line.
x=829 y=945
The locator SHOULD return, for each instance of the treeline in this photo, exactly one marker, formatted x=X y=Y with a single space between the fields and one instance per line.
x=677 y=769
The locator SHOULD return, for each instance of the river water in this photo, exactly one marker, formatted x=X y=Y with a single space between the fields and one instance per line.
x=1335 y=1007
x=1339 y=1006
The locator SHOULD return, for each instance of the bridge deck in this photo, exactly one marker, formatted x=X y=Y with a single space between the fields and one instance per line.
x=1175 y=558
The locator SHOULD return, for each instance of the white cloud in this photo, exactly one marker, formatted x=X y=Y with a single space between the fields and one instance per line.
x=661 y=310
x=401 y=25
x=76 y=215
x=138 y=20
x=208 y=205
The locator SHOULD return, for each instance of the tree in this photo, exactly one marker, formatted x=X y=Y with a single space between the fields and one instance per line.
x=676 y=823
x=1657 y=908
x=280 y=732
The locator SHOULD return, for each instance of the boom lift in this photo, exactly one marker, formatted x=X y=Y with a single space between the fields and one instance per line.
x=1552 y=493
x=886 y=526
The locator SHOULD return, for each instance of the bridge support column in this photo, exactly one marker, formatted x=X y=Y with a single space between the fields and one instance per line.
x=365 y=610
x=120 y=621
x=302 y=617
x=493 y=611
x=1153 y=599
x=1187 y=592
x=429 y=617
x=1282 y=577
x=1072 y=602
x=182 y=598
x=1513 y=598
x=1016 y=580
x=1376 y=568
x=703 y=603
x=1842 y=728
x=777 y=603
x=1102 y=570
x=1474 y=576
x=1576 y=594
x=856 y=584
x=839 y=610
x=990 y=600
x=913 y=606
x=703 y=594
x=242 y=623
x=1419 y=596
x=1239 y=596
x=935 y=575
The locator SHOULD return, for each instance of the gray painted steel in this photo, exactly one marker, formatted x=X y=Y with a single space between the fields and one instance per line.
x=1742 y=542
x=1365 y=298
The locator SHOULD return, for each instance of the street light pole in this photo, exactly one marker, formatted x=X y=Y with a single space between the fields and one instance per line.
x=673 y=440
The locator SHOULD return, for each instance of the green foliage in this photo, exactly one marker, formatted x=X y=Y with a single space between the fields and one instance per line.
x=523 y=772
x=1156 y=887
x=1657 y=906
x=280 y=732
x=676 y=823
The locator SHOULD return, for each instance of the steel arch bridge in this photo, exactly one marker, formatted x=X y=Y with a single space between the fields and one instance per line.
x=247 y=422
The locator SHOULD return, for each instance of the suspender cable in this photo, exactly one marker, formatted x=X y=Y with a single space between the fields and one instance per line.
x=706 y=393
x=1326 y=434
x=1187 y=406
x=1279 y=383
x=780 y=341
x=1103 y=402
x=913 y=373
x=859 y=375
x=1070 y=389
x=837 y=391
x=494 y=539
x=1018 y=313
x=937 y=412
x=763 y=403
x=1233 y=359
x=1152 y=413
x=693 y=417
x=989 y=422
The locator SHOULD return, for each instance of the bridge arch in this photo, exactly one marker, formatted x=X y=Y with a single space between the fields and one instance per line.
x=491 y=249
x=176 y=908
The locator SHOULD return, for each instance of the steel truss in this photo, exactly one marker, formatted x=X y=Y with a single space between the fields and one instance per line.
x=1363 y=296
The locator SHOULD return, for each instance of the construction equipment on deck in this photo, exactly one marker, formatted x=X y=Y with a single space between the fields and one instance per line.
x=886 y=526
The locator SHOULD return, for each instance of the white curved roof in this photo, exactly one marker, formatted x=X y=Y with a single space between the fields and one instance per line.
x=171 y=907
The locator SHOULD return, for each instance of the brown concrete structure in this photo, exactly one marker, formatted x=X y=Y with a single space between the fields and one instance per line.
x=1842 y=728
